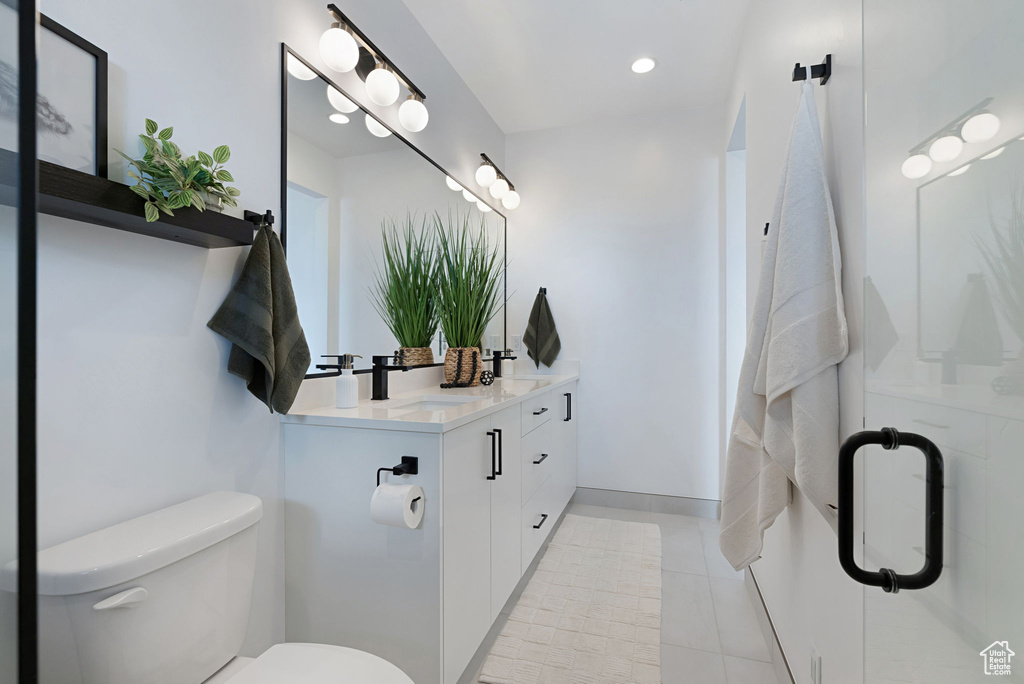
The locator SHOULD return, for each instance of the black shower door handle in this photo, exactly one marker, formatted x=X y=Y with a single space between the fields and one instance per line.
x=890 y=439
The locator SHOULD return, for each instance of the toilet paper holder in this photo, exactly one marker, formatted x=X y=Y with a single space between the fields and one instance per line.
x=410 y=465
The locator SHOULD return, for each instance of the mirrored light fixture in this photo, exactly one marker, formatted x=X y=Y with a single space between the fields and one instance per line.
x=644 y=65
x=994 y=153
x=339 y=101
x=490 y=176
x=453 y=184
x=376 y=127
x=338 y=118
x=468 y=196
x=482 y=207
x=947 y=148
x=959 y=172
x=344 y=47
x=299 y=70
x=917 y=166
x=413 y=114
x=339 y=49
x=980 y=127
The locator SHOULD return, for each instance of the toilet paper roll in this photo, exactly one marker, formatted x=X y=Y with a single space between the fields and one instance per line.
x=397 y=505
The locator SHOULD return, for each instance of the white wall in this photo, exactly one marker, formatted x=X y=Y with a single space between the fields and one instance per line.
x=619 y=221
x=136 y=408
x=810 y=598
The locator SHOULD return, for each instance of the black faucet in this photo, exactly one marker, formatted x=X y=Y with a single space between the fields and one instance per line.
x=498 y=358
x=380 y=371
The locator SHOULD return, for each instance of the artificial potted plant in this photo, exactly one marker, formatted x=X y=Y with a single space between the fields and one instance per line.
x=404 y=293
x=1004 y=260
x=468 y=279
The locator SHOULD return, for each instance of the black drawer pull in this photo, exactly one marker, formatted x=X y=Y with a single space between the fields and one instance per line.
x=540 y=460
x=540 y=411
x=494 y=456
x=501 y=452
x=568 y=407
x=543 y=519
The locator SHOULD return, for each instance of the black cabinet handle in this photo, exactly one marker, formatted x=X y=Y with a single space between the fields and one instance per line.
x=887 y=579
x=540 y=460
x=543 y=519
x=568 y=407
x=540 y=411
x=501 y=452
x=494 y=456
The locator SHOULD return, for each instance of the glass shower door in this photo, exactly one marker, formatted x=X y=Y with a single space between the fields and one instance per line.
x=944 y=334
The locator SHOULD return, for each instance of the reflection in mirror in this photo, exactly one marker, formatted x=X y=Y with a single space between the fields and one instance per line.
x=348 y=177
x=970 y=222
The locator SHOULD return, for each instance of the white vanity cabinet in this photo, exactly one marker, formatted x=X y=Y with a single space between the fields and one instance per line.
x=424 y=598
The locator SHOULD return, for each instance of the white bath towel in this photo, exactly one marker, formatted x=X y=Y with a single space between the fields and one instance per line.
x=786 y=424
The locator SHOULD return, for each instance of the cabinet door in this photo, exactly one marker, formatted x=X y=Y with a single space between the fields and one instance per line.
x=566 y=447
x=506 y=505
x=466 y=531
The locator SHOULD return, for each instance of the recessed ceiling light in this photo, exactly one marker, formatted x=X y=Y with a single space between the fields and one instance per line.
x=338 y=118
x=643 y=65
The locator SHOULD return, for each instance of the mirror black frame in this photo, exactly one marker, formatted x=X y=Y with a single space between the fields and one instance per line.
x=283 y=229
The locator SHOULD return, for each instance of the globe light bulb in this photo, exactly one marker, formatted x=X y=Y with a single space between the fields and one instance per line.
x=338 y=49
x=339 y=101
x=486 y=175
x=959 y=172
x=382 y=87
x=917 y=166
x=376 y=127
x=946 y=148
x=453 y=184
x=413 y=115
x=510 y=200
x=468 y=196
x=338 y=118
x=980 y=127
x=499 y=188
x=482 y=207
x=994 y=153
x=299 y=70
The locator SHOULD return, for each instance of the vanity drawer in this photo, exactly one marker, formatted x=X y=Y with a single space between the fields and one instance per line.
x=539 y=461
x=948 y=427
x=537 y=411
x=539 y=517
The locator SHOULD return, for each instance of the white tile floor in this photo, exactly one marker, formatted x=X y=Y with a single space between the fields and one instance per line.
x=709 y=630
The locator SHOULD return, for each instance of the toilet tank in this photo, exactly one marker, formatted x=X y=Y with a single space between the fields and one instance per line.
x=159 y=599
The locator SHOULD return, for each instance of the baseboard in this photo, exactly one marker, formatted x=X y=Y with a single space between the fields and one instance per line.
x=656 y=503
x=779 y=660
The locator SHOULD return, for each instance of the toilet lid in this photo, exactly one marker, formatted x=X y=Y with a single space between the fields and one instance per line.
x=319 y=664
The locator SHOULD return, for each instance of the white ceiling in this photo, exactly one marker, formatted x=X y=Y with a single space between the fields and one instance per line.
x=544 y=63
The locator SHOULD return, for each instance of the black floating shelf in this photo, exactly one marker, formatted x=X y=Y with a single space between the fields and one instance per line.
x=82 y=197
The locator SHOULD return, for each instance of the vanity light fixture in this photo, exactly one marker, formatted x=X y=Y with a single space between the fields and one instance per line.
x=468 y=196
x=644 y=65
x=344 y=47
x=453 y=184
x=376 y=127
x=339 y=101
x=338 y=118
x=490 y=176
x=975 y=125
x=482 y=207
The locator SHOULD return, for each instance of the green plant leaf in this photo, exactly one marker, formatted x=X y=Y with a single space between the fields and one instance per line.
x=152 y=213
x=166 y=133
x=198 y=202
x=151 y=127
x=206 y=159
x=224 y=175
x=222 y=154
x=140 y=191
x=234 y=192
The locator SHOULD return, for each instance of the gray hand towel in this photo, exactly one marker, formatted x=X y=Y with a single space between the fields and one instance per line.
x=541 y=338
x=260 y=319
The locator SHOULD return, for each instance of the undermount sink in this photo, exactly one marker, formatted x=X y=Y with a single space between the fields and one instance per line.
x=432 y=402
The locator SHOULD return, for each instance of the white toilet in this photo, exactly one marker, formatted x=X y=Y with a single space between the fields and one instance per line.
x=164 y=599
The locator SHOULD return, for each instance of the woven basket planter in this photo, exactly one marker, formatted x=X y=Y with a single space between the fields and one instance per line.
x=463 y=365
x=415 y=356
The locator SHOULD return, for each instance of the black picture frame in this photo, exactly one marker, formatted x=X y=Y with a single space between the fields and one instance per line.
x=100 y=87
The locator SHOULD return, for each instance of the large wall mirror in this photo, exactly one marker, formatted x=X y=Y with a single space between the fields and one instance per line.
x=342 y=183
x=966 y=302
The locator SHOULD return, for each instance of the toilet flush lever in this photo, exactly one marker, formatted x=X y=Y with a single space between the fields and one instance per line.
x=129 y=598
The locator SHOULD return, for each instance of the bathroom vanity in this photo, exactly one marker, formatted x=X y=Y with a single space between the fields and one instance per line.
x=497 y=466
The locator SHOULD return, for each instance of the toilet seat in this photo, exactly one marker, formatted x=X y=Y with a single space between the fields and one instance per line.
x=319 y=664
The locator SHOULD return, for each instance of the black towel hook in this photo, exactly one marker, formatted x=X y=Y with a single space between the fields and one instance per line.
x=543 y=291
x=259 y=220
x=822 y=71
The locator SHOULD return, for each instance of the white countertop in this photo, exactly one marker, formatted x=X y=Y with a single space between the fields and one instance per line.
x=389 y=415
